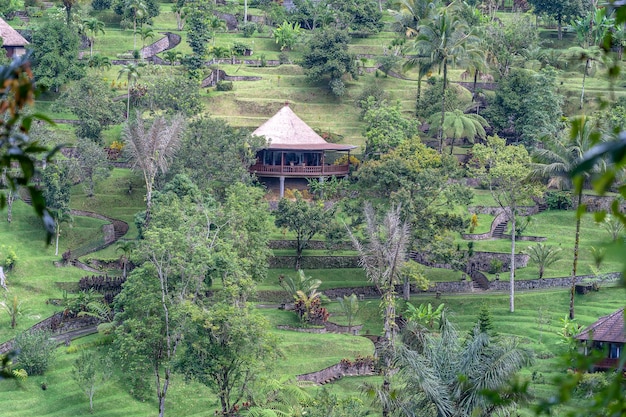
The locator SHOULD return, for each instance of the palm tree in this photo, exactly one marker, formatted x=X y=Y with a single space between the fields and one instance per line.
x=145 y=33
x=94 y=26
x=219 y=52
x=152 y=149
x=129 y=71
x=99 y=62
x=590 y=32
x=126 y=247
x=382 y=258
x=543 y=256
x=458 y=125
x=138 y=10
x=556 y=162
x=445 y=38
x=446 y=375
x=172 y=57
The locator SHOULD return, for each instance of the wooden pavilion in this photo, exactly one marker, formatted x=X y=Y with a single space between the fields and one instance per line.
x=605 y=334
x=295 y=150
x=12 y=41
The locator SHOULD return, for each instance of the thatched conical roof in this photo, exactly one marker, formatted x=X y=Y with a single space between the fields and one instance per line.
x=285 y=130
x=10 y=36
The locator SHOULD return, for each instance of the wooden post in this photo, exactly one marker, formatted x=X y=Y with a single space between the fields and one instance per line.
x=282 y=164
x=323 y=161
x=282 y=186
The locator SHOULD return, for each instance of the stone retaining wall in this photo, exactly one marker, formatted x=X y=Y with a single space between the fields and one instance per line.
x=536 y=284
x=335 y=372
x=526 y=238
x=57 y=324
x=315 y=262
x=312 y=244
x=598 y=203
x=482 y=260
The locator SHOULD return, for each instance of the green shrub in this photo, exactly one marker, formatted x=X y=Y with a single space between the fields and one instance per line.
x=36 y=351
x=248 y=30
x=558 y=200
x=495 y=266
x=224 y=86
x=239 y=48
x=591 y=383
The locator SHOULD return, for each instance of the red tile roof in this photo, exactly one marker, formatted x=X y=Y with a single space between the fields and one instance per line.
x=607 y=329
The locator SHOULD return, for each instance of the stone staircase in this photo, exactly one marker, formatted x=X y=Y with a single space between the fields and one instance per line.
x=499 y=230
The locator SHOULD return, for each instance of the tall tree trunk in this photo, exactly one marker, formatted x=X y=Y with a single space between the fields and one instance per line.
x=10 y=199
x=406 y=288
x=128 y=102
x=572 y=290
x=512 y=266
x=560 y=28
x=58 y=233
x=582 y=93
x=245 y=12
x=443 y=107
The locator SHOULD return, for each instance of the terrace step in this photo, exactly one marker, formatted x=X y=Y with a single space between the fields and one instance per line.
x=498 y=231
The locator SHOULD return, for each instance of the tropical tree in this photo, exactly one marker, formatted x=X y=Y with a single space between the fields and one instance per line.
x=99 y=62
x=506 y=170
x=327 y=57
x=94 y=26
x=382 y=257
x=126 y=247
x=57 y=186
x=543 y=256
x=302 y=218
x=215 y=24
x=301 y=283
x=446 y=376
x=90 y=373
x=146 y=32
x=287 y=34
x=129 y=71
x=556 y=162
x=350 y=307
x=459 y=125
x=590 y=32
x=14 y=308
x=138 y=10
x=152 y=149
x=219 y=52
x=445 y=38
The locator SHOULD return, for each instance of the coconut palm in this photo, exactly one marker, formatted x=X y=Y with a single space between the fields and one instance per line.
x=99 y=62
x=543 y=256
x=446 y=375
x=138 y=10
x=556 y=161
x=219 y=52
x=126 y=247
x=129 y=71
x=94 y=26
x=459 y=125
x=146 y=33
x=445 y=38
x=152 y=149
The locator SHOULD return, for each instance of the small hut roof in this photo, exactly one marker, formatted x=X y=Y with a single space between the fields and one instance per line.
x=10 y=36
x=285 y=130
x=607 y=329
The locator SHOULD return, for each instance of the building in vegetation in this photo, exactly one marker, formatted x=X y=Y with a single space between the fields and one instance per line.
x=12 y=42
x=606 y=334
x=295 y=150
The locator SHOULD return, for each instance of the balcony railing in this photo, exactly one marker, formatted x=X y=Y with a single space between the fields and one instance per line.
x=299 y=170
